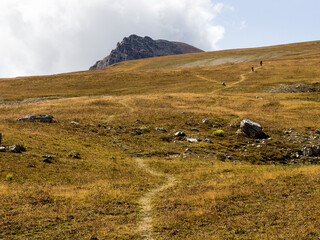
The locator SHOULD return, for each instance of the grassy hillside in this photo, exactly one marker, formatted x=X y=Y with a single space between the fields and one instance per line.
x=114 y=176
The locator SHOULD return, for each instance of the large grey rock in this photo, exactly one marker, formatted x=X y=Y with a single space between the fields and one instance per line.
x=33 y=118
x=313 y=151
x=252 y=129
x=135 y=47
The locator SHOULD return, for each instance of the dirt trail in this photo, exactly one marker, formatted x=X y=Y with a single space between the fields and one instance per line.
x=145 y=226
x=242 y=78
x=207 y=79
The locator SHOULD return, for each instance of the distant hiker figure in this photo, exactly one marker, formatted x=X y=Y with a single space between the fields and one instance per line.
x=261 y=63
x=223 y=84
x=252 y=68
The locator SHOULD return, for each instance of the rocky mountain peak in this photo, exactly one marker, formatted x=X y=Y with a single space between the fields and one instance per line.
x=136 y=47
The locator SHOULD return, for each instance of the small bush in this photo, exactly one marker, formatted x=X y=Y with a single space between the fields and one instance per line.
x=219 y=133
x=9 y=177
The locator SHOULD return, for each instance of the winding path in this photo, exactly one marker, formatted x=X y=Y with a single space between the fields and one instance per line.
x=145 y=227
x=242 y=78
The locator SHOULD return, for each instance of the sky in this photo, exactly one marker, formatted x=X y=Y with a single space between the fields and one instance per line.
x=40 y=37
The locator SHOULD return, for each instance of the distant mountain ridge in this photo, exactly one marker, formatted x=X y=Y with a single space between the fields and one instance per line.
x=136 y=47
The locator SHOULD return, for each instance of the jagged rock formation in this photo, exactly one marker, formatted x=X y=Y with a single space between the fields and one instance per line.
x=135 y=47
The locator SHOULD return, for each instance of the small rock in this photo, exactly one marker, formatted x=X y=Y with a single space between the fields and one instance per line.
x=47 y=159
x=187 y=123
x=195 y=129
x=33 y=118
x=15 y=149
x=122 y=127
x=206 y=121
x=160 y=129
x=208 y=140
x=192 y=140
x=2 y=149
x=318 y=131
x=75 y=123
x=179 y=134
x=239 y=132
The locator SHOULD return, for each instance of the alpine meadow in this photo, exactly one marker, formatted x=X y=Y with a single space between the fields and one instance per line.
x=151 y=148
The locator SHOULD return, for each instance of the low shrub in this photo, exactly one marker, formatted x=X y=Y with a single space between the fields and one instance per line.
x=219 y=133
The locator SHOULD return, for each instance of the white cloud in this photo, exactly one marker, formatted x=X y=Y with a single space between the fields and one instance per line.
x=45 y=37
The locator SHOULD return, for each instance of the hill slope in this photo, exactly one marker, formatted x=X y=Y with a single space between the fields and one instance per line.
x=135 y=47
x=117 y=171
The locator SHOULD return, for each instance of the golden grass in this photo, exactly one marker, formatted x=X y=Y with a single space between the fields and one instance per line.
x=98 y=195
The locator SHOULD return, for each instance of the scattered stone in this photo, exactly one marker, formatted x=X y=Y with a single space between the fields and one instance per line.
x=313 y=151
x=317 y=131
x=91 y=125
x=47 y=159
x=252 y=129
x=214 y=126
x=192 y=140
x=122 y=127
x=223 y=84
x=161 y=129
x=33 y=118
x=188 y=150
x=257 y=97
x=75 y=123
x=2 y=149
x=179 y=134
x=208 y=140
x=15 y=149
x=195 y=129
x=137 y=120
x=206 y=121
x=187 y=123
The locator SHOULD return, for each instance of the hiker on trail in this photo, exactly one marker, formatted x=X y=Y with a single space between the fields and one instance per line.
x=252 y=68
x=261 y=63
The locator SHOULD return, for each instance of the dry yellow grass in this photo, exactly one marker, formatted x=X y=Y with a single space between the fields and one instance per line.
x=100 y=195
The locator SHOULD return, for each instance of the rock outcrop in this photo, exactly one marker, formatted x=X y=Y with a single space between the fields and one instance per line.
x=135 y=47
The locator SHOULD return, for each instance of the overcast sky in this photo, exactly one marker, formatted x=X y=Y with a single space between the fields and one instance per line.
x=54 y=36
